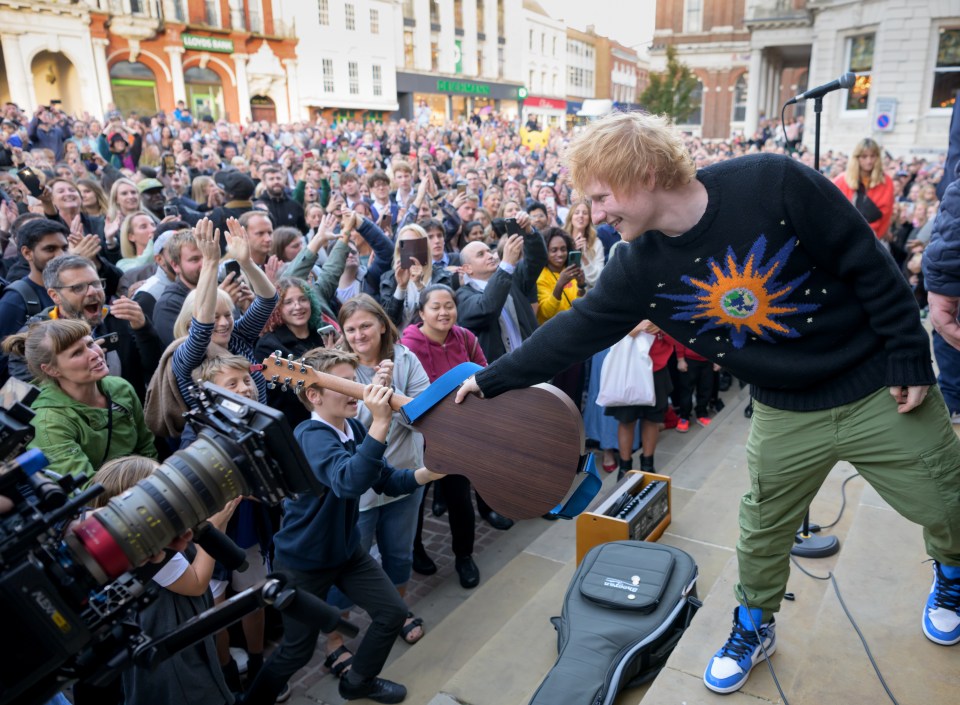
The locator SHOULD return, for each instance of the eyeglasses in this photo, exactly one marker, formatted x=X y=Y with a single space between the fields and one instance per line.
x=79 y=289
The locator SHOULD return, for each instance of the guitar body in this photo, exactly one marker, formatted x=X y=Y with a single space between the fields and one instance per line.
x=521 y=450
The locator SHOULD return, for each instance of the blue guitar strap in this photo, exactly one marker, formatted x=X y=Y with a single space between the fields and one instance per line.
x=588 y=487
x=437 y=391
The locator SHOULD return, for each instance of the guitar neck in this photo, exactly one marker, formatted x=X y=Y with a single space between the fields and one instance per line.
x=294 y=372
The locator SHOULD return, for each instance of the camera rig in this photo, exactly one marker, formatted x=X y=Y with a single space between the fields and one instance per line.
x=71 y=590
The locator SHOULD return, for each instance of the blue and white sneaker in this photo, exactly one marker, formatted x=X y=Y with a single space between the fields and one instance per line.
x=941 y=615
x=730 y=667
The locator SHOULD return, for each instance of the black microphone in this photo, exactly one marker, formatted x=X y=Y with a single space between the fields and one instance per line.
x=845 y=81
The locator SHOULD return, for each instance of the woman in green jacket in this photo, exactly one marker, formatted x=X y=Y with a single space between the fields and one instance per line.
x=83 y=416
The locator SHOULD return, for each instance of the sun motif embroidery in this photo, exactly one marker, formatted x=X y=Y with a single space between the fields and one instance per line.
x=746 y=299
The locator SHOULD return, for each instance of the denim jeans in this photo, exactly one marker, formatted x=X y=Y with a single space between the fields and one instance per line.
x=948 y=362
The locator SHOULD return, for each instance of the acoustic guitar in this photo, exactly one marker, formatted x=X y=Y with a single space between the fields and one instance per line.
x=521 y=450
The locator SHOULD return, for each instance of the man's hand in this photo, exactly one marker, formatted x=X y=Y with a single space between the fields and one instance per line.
x=944 y=311
x=523 y=220
x=470 y=386
x=128 y=310
x=513 y=249
x=272 y=268
x=908 y=398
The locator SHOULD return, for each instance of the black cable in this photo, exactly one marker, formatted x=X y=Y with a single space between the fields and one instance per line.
x=843 y=502
x=783 y=126
x=766 y=656
x=866 y=647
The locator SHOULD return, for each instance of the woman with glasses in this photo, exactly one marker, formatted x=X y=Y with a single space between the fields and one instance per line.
x=84 y=416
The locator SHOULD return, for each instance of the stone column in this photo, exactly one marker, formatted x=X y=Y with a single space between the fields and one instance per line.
x=293 y=89
x=102 y=71
x=176 y=72
x=753 y=91
x=18 y=76
x=469 y=41
x=243 y=86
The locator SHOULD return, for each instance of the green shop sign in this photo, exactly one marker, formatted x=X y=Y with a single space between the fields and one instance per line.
x=194 y=41
x=447 y=86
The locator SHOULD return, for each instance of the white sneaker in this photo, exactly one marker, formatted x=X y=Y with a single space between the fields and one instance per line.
x=240 y=656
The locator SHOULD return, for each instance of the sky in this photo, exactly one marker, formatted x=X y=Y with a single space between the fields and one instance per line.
x=630 y=22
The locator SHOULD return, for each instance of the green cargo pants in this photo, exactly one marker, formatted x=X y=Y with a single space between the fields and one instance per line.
x=912 y=460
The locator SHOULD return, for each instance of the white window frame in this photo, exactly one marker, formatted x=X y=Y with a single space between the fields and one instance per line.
x=323 y=12
x=935 y=48
x=353 y=76
x=374 y=21
x=350 y=16
x=329 y=84
x=376 y=72
x=692 y=16
x=847 y=56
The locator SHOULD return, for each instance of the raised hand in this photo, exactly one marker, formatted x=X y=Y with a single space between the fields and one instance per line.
x=238 y=243
x=208 y=240
x=402 y=274
x=513 y=249
x=272 y=268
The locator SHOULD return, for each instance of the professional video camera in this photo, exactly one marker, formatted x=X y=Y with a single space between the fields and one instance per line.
x=70 y=600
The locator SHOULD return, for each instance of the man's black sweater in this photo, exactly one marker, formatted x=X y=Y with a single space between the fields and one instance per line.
x=781 y=281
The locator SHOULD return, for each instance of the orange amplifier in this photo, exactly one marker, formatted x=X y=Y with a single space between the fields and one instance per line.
x=638 y=509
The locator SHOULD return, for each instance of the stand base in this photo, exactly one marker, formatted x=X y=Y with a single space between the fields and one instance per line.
x=811 y=546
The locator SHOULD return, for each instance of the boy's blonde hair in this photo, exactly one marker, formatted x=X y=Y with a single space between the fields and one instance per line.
x=322 y=360
x=120 y=474
x=212 y=367
x=623 y=150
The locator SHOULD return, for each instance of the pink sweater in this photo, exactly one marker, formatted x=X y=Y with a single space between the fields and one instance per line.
x=460 y=346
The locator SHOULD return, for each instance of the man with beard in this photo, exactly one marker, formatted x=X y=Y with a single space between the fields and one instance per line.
x=185 y=261
x=40 y=240
x=77 y=292
x=283 y=209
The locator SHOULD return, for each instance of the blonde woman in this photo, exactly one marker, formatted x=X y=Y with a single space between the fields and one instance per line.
x=400 y=287
x=93 y=198
x=136 y=241
x=579 y=227
x=867 y=186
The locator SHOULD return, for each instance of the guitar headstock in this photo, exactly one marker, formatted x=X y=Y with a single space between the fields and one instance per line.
x=287 y=372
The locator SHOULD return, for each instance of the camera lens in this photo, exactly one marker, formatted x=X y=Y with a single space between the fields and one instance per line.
x=186 y=489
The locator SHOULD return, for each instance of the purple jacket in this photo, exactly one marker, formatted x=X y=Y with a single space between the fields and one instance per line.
x=460 y=346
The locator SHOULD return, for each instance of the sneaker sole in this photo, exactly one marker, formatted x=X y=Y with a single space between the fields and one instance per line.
x=934 y=639
x=733 y=688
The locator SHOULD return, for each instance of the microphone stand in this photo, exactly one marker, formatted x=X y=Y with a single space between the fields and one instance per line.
x=806 y=544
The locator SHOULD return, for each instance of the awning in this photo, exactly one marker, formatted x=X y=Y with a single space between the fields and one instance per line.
x=595 y=108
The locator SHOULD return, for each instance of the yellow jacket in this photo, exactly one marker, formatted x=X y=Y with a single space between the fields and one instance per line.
x=549 y=306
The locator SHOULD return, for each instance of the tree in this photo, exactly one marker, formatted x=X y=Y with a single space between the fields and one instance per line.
x=670 y=92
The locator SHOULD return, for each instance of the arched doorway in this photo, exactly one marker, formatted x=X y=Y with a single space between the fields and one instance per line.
x=262 y=107
x=56 y=78
x=204 y=92
x=134 y=87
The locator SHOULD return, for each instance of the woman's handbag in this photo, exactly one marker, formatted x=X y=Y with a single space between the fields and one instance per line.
x=868 y=209
x=626 y=378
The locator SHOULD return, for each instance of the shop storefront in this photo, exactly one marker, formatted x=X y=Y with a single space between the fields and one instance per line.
x=548 y=112
x=435 y=100
x=204 y=92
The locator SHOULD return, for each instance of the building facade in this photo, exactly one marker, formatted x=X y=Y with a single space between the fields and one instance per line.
x=712 y=39
x=457 y=57
x=544 y=66
x=350 y=47
x=583 y=78
x=231 y=59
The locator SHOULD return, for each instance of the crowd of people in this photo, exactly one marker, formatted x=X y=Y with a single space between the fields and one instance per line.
x=143 y=254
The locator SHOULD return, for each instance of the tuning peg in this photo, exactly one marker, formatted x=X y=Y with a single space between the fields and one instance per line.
x=299 y=387
x=272 y=384
x=277 y=357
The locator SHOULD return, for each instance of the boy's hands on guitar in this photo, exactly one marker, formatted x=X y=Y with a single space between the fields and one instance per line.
x=376 y=398
x=424 y=476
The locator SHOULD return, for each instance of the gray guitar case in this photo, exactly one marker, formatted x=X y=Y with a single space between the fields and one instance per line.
x=625 y=610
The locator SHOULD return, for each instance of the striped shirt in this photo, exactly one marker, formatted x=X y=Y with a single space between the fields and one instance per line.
x=243 y=340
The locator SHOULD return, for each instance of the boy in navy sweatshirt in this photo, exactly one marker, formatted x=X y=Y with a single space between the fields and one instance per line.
x=318 y=544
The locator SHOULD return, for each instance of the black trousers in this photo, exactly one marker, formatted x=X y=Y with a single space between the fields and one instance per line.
x=698 y=378
x=362 y=580
x=455 y=490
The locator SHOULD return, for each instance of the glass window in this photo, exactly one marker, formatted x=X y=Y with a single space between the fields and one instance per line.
x=323 y=9
x=480 y=24
x=408 y=9
x=554 y=46
x=434 y=53
x=353 y=71
x=531 y=40
x=696 y=99
x=211 y=11
x=374 y=21
x=946 y=75
x=328 y=85
x=861 y=63
x=350 y=12
x=501 y=61
x=408 y=53
x=693 y=16
x=377 y=80
x=458 y=13
x=434 y=12
x=500 y=23
x=740 y=99
x=256 y=17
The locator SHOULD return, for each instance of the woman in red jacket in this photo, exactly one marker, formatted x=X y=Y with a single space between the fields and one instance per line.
x=868 y=187
x=440 y=345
